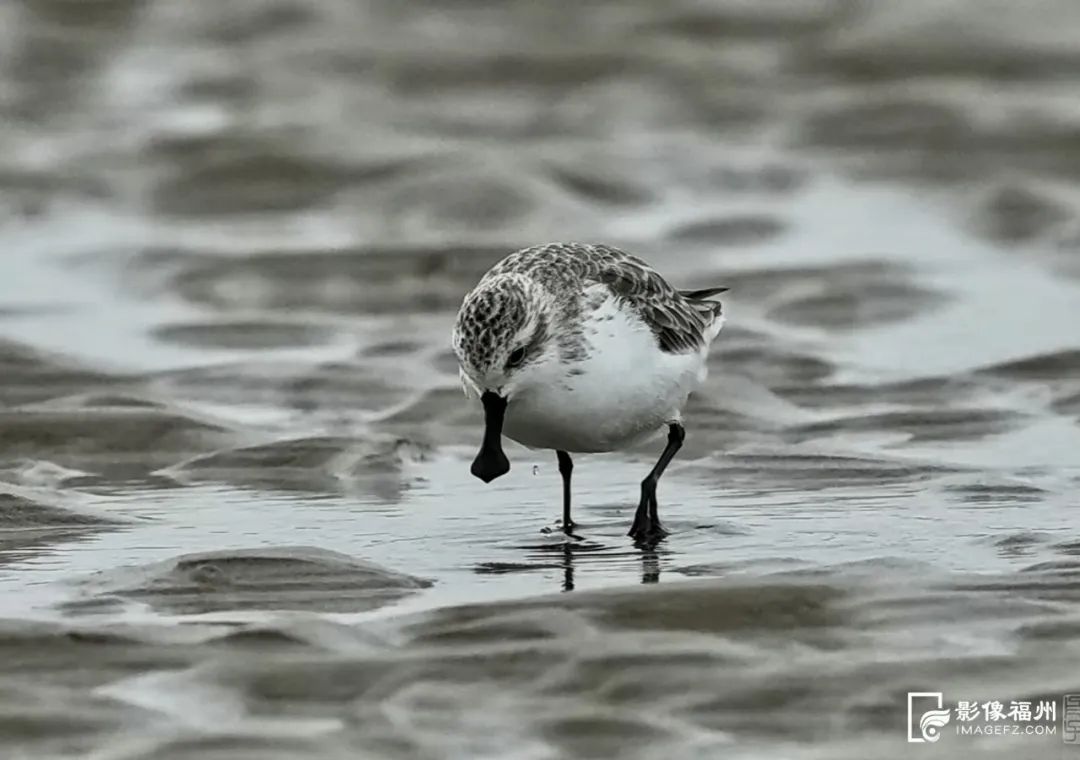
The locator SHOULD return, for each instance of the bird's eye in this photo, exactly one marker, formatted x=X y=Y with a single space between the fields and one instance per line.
x=517 y=356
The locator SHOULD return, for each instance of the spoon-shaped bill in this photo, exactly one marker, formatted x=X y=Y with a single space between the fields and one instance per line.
x=491 y=462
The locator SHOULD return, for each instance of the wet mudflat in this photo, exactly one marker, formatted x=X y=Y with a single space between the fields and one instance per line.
x=236 y=518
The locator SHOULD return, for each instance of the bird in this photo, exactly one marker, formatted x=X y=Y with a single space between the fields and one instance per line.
x=583 y=348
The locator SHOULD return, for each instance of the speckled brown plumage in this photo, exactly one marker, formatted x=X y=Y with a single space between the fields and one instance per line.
x=489 y=317
x=678 y=318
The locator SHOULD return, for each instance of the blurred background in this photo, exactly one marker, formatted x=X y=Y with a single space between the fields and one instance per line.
x=236 y=518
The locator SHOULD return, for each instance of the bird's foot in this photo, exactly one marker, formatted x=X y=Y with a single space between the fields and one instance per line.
x=567 y=528
x=646 y=531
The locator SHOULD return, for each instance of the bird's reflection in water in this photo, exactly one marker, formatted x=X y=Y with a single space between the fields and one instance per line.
x=650 y=563
x=576 y=554
x=650 y=566
x=568 y=567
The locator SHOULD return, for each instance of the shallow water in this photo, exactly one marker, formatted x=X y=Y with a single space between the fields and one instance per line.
x=236 y=518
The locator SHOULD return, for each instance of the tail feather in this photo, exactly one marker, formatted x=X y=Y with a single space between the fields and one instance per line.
x=714 y=309
x=701 y=295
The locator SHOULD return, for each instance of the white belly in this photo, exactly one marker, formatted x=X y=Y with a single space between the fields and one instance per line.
x=624 y=391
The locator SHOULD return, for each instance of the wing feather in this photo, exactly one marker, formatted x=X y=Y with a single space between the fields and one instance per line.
x=680 y=320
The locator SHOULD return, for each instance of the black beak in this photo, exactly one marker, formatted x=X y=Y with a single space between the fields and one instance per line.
x=491 y=462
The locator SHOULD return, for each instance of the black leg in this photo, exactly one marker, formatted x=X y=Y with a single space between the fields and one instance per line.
x=647 y=528
x=566 y=467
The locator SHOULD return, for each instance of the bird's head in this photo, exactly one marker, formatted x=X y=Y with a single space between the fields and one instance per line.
x=502 y=342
